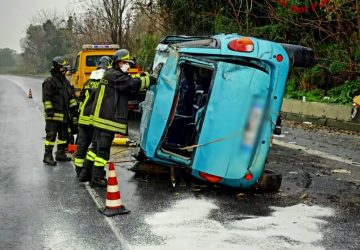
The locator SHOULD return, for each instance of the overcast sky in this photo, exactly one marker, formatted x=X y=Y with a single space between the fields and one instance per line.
x=16 y=15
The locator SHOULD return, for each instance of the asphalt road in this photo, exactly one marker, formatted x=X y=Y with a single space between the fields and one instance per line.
x=44 y=207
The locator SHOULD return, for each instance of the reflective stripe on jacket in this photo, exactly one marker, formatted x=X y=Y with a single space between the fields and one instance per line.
x=110 y=108
x=87 y=97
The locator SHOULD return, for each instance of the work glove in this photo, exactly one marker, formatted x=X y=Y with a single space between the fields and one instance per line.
x=153 y=80
x=50 y=113
x=157 y=70
x=74 y=114
x=73 y=123
x=75 y=117
x=145 y=73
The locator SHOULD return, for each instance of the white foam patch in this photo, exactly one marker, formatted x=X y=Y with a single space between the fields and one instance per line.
x=186 y=226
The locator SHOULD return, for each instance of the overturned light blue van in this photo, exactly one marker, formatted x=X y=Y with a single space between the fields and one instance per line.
x=216 y=103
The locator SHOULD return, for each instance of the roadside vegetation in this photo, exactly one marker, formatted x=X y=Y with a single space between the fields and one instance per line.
x=330 y=27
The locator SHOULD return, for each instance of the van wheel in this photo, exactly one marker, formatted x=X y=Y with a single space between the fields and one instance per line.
x=269 y=182
x=300 y=56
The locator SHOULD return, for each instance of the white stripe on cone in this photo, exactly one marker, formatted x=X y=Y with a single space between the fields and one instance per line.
x=113 y=203
x=112 y=173
x=112 y=188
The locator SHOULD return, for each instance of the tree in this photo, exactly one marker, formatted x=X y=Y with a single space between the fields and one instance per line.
x=111 y=15
x=43 y=42
x=7 y=57
x=32 y=46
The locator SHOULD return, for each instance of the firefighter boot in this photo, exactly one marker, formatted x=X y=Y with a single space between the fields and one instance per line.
x=48 y=157
x=78 y=171
x=86 y=172
x=98 y=178
x=60 y=154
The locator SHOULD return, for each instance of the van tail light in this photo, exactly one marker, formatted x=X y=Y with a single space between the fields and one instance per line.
x=210 y=177
x=248 y=176
x=243 y=44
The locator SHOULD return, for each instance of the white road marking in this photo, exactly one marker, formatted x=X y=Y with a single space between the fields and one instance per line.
x=315 y=152
x=186 y=225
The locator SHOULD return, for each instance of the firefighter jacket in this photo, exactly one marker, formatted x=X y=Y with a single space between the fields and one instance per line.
x=58 y=97
x=87 y=95
x=110 y=107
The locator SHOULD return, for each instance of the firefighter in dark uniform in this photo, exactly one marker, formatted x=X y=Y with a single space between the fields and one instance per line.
x=110 y=110
x=58 y=100
x=84 y=158
x=72 y=125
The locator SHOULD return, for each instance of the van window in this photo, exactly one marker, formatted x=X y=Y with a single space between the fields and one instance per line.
x=92 y=61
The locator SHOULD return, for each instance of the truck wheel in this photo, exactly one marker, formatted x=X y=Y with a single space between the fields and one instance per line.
x=300 y=56
x=269 y=182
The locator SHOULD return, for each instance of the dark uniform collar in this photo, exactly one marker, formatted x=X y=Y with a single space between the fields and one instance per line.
x=57 y=74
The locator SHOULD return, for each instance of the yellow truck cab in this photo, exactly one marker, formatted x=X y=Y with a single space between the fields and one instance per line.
x=86 y=62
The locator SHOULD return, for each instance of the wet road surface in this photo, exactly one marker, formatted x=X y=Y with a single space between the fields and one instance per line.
x=45 y=207
x=41 y=207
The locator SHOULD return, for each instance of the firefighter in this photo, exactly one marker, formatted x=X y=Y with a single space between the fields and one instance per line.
x=71 y=126
x=110 y=110
x=84 y=158
x=58 y=101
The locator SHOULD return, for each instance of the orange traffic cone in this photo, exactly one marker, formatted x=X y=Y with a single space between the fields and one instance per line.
x=30 y=94
x=113 y=204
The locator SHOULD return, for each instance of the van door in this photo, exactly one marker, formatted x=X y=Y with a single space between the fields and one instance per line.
x=228 y=148
x=157 y=106
x=75 y=74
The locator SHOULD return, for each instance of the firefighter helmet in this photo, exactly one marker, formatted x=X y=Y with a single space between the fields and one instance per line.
x=122 y=55
x=59 y=62
x=104 y=62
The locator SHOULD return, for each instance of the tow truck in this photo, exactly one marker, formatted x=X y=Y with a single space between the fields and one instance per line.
x=86 y=62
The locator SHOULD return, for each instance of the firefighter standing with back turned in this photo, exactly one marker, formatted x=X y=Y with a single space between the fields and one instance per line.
x=58 y=101
x=110 y=110
x=83 y=158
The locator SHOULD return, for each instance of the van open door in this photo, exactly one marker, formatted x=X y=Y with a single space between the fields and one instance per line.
x=156 y=110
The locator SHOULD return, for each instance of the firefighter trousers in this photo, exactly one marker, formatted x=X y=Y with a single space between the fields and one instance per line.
x=53 y=129
x=84 y=140
x=102 y=144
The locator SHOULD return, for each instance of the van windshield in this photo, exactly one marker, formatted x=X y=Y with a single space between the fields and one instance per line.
x=92 y=61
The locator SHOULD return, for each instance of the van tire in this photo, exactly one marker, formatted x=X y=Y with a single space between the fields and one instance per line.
x=269 y=181
x=300 y=56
